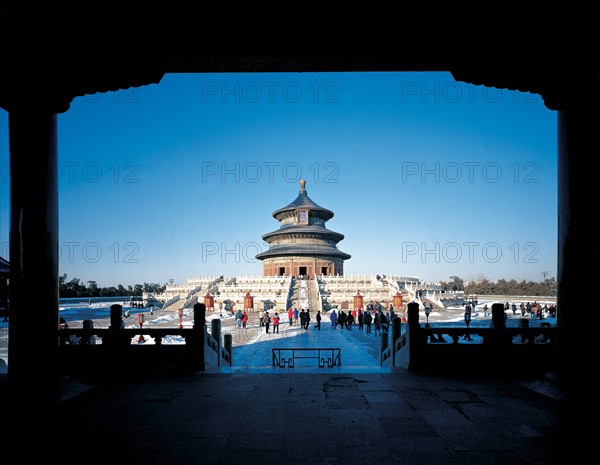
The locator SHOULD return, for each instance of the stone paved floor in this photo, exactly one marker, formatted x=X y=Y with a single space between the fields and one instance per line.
x=312 y=416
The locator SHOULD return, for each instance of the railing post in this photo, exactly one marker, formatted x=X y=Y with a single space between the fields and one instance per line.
x=396 y=328
x=498 y=317
x=500 y=338
x=215 y=325
x=384 y=345
x=115 y=337
x=88 y=326
x=228 y=346
x=523 y=323
x=116 y=317
x=414 y=336
x=413 y=315
x=199 y=331
x=117 y=342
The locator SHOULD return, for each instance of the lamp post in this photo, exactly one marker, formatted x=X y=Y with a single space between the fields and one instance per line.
x=427 y=312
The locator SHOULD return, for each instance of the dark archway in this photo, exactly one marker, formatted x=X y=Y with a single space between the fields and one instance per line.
x=505 y=45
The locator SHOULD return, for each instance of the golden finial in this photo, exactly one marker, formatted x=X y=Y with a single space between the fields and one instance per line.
x=302 y=186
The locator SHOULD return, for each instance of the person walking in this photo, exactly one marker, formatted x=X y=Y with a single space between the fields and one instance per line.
x=307 y=319
x=267 y=321
x=244 y=319
x=349 y=321
x=333 y=319
x=360 y=320
x=295 y=312
x=291 y=315
x=384 y=321
x=276 y=323
x=302 y=319
x=261 y=318
x=238 y=319
x=318 y=320
x=342 y=319
x=468 y=308
x=368 y=320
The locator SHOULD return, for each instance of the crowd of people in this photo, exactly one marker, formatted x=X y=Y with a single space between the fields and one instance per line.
x=533 y=310
x=368 y=320
x=371 y=321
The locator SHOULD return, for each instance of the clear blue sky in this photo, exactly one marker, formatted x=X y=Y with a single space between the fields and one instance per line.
x=426 y=176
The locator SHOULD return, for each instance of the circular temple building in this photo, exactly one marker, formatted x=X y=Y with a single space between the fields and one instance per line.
x=303 y=246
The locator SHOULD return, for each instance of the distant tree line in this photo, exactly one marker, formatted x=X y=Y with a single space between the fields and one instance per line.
x=501 y=287
x=76 y=288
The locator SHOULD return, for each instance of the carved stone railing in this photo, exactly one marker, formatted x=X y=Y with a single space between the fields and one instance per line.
x=220 y=353
x=495 y=349
x=116 y=349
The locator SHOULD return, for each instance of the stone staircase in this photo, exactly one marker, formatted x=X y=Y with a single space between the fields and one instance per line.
x=315 y=304
x=312 y=293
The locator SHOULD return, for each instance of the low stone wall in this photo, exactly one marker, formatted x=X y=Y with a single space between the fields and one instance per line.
x=502 y=350
x=112 y=350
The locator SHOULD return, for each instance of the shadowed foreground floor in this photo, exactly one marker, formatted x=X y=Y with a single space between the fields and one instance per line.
x=312 y=416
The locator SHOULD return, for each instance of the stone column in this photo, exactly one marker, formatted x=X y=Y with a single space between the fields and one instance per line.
x=578 y=248
x=33 y=279
x=578 y=259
